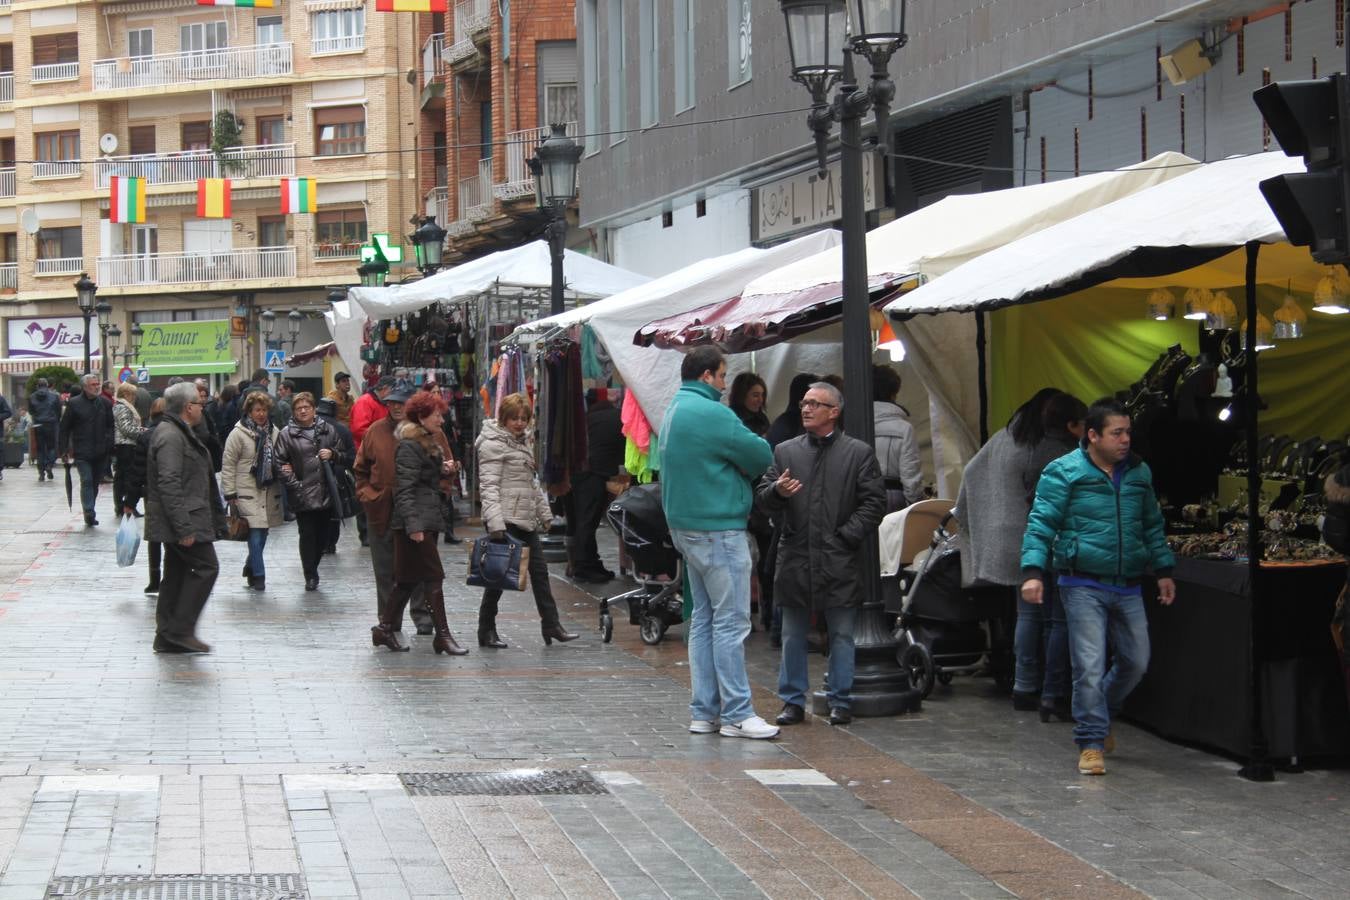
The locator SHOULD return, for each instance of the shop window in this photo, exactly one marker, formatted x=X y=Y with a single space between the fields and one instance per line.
x=49 y=49
x=340 y=130
x=59 y=243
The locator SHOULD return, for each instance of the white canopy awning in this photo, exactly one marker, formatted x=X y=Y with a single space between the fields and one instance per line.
x=653 y=374
x=527 y=267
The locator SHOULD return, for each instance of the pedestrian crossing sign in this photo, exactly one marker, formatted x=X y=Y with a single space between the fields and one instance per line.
x=275 y=361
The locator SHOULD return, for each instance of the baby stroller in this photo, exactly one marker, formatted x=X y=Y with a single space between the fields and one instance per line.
x=941 y=630
x=636 y=516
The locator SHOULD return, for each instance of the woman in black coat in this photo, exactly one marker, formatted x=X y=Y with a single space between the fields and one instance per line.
x=134 y=487
x=302 y=447
x=419 y=466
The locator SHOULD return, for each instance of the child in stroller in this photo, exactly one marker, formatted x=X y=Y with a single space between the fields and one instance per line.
x=636 y=516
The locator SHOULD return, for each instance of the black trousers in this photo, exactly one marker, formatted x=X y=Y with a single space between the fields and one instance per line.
x=543 y=596
x=189 y=575
x=155 y=554
x=46 y=445
x=313 y=525
x=122 y=457
x=590 y=499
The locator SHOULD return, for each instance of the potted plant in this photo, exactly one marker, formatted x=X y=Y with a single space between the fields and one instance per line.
x=227 y=133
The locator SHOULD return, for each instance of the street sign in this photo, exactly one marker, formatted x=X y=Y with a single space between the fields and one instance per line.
x=275 y=361
x=142 y=376
x=125 y=375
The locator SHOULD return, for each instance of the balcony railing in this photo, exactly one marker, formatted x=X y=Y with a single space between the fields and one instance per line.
x=7 y=182
x=471 y=18
x=6 y=87
x=67 y=71
x=5 y=4
x=520 y=146
x=253 y=61
x=61 y=265
x=476 y=192
x=433 y=63
x=59 y=169
x=186 y=166
x=345 y=43
x=206 y=266
x=337 y=251
x=9 y=276
x=438 y=204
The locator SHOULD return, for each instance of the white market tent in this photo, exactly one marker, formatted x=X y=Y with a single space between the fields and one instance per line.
x=934 y=240
x=520 y=270
x=654 y=374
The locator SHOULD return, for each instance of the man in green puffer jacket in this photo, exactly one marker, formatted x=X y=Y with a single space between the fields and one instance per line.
x=1096 y=522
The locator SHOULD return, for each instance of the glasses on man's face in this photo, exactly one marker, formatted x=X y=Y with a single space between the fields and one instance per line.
x=195 y=403
x=812 y=404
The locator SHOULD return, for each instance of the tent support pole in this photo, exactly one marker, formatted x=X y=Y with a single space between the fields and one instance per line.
x=982 y=367
x=1258 y=767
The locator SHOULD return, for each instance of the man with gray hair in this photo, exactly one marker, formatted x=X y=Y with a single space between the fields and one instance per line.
x=87 y=435
x=184 y=513
x=826 y=491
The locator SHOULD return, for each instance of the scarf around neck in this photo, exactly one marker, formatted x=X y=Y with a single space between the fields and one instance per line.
x=263 y=473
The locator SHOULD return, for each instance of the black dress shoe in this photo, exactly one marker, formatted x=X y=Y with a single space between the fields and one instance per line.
x=311 y=584
x=840 y=716
x=163 y=646
x=792 y=714
x=257 y=584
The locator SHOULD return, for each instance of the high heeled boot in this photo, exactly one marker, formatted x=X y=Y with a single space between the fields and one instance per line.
x=555 y=632
x=384 y=634
x=445 y=641
x=487 y=625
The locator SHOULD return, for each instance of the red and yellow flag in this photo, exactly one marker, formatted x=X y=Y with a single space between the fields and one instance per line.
x=435 y=6
x=213 y=198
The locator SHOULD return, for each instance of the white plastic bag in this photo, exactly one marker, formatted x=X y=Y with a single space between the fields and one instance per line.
x=128 y=541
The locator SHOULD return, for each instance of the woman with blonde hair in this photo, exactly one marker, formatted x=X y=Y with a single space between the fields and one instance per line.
x=248 y=478
x=127 y=426
x=514 y=503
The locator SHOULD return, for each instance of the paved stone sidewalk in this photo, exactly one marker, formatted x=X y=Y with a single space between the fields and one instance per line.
x=272 y=766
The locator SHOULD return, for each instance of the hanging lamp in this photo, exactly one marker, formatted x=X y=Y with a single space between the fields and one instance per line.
x=1195 y=304
x=1290 y=320
x=1222 y=312
x=1332 y=295
x=1162 y=305
x=1265 y=334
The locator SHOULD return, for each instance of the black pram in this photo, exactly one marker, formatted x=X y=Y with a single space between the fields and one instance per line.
x=638 y=519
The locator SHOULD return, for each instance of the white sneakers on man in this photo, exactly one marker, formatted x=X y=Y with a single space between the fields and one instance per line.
x=702 y=726
x=753 y=727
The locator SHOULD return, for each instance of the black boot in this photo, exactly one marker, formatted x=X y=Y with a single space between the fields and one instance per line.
x=556 y=632
x=489 y=638
x=445 y=641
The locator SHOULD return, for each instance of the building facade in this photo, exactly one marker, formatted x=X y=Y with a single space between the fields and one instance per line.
x=697 y=140
x=172 y=92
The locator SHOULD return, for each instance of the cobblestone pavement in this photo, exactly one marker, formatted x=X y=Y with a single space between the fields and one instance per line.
x=296 y=761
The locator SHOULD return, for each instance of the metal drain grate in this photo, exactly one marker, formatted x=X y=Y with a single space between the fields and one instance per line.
x=178 y=887
x=521 y=782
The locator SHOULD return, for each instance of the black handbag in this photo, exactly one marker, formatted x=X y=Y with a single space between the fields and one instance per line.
x=503 y=565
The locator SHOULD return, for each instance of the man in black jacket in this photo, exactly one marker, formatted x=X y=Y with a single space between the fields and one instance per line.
x=5 y=414
x=45 y=408
x=827 y=491
x=87 y=435
x=590 y=492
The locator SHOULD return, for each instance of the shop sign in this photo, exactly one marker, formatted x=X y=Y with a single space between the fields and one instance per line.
x=49 y=338
x=185 y=343
x=808 y=200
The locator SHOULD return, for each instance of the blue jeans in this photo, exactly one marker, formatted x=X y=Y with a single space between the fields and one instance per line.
x=257 y=540
x=718 y=564
x=91 y=473
x=1097 y=619
x=1041 y=629
x=792 y=673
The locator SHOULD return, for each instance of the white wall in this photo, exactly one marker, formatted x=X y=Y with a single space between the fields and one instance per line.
x=650 y=249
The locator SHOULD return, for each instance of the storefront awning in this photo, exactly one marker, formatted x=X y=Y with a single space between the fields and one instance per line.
x=25 y=365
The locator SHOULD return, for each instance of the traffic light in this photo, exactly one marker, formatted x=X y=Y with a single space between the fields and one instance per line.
x=1309 y=119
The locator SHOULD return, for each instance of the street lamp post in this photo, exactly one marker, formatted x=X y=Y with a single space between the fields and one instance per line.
x=269 y=324
x=104 y=310
x=429 y=243
x=134 y=349
x=554 y=167
x=85 y=290
x=112 y=340
x=822 y=46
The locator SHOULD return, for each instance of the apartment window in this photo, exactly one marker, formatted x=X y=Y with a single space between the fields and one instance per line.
x=560 y=103
x=440 y=160
x=200 y=37
x=485 y=129
x=684 y=54
x=59 y=243
x=271 y=130
x=738 y=42
x=9 y=247
x=339 y=29
x=340 y=226
x=271 y=231
x=196 y=135
x=141 y=140
x=340 y=130
x=49 y=49
x=7 y=152
x=6 y=57
x=590 y=70
x=140 y=42
x=557 y=78
x=56 y=146
x=270 y=30
x=618 y=81
x=648 y=69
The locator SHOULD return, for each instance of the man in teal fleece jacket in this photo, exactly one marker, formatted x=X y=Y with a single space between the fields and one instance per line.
x=708 y=460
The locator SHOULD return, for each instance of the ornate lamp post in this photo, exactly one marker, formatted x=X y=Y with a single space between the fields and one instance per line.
x=112 y=339
x=429 y=244
x=554 y=167
x=822 y=46
x=134 y=349
x=104 y=310
x=269 y=325
x=85 y=290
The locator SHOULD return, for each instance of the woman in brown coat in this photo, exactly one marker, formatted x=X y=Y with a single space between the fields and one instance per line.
x=419 y=464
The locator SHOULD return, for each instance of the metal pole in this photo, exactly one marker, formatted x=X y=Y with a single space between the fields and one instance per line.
x=557 y=234
x=86 y=344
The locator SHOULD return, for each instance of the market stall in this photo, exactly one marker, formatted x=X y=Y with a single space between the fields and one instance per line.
x=1109 y=288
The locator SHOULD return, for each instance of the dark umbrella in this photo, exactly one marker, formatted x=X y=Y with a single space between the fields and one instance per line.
x=70 y=488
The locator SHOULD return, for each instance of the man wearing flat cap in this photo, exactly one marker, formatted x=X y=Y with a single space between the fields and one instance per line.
x=341 y=395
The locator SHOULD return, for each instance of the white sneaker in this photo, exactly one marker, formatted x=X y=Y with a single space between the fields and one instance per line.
x=702 y=726
x=753 y=727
